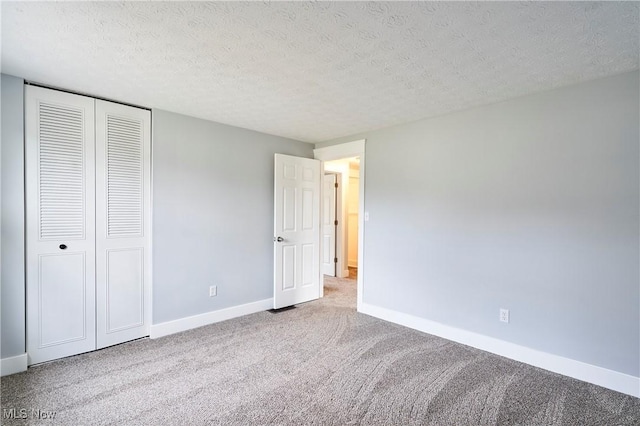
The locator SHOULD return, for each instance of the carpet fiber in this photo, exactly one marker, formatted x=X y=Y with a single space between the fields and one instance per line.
x=319 y=363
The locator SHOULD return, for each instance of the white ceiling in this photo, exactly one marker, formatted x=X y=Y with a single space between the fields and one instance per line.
x=321 y=70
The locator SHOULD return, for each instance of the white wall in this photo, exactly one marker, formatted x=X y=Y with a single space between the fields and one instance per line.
x=212 y=214
x=352 y=215
x=530 y=205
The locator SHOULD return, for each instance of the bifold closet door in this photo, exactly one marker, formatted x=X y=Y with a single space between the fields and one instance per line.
x=123 y=201
x=60 y=234
x=88 y=223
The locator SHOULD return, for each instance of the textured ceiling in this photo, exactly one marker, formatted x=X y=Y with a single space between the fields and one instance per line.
x=321 y=70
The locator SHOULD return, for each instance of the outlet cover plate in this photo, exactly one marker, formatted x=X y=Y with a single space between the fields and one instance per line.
x=504 y=315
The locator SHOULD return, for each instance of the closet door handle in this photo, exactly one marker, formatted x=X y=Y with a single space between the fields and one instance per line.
x=63 y=246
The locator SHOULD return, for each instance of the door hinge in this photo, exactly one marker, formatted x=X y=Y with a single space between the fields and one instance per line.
x=335 y=260
x=335 y=222
x=336 y=184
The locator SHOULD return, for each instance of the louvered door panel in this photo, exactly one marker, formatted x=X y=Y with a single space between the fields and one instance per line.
x=122 y=219
x=59 y=154
x=61 y=174
x=124 y=176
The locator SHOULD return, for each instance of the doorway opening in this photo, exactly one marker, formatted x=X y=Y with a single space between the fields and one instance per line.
x=347 y=162
x=340 y=235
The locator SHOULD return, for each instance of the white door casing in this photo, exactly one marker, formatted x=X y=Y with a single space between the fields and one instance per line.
x=297 y=185
x=328 y=224
x=123 y=228
x=60 y=234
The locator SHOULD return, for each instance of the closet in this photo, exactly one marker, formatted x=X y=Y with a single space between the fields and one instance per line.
x=87 y=172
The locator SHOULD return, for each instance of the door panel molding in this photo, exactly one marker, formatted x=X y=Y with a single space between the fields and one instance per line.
x=124 y=287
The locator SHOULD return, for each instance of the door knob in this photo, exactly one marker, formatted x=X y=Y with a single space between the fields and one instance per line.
x=279 y=239
x=63 y=246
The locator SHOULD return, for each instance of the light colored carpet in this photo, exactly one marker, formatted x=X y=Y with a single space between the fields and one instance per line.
x=319 y=363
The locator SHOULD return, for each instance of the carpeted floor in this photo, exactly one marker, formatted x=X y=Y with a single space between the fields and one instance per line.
x=319 y=363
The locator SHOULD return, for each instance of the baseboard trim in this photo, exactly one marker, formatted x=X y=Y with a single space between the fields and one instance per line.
x=610 y=379
x=195 y=321
x=14 y=364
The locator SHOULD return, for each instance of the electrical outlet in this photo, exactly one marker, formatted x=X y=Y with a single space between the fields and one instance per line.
x=213 y=291
x=504 y=315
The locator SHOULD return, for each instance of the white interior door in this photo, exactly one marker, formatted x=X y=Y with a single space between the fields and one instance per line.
x=329 y=224
x=60 y=235
x=296 y=230
x=123 y=143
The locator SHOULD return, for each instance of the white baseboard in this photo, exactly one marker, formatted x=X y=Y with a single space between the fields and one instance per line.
x=610 y=379
x=188 y=323
x=14 y=364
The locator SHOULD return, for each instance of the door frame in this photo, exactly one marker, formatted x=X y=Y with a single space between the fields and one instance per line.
x=337 y=152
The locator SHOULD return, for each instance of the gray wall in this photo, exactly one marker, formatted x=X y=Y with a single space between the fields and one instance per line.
x=212 y=214
x=530 y=205
x=12 y=290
